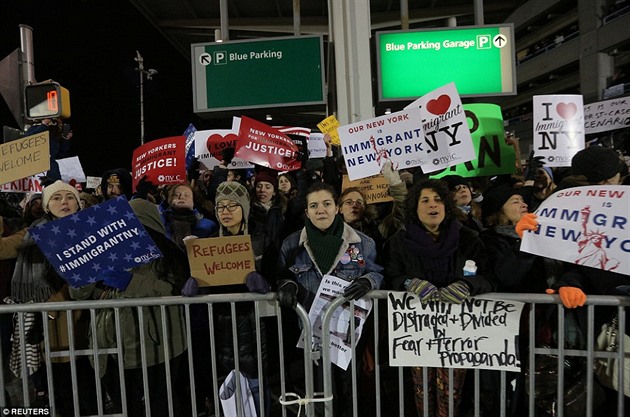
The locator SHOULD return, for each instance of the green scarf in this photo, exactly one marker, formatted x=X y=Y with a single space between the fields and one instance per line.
x=325 y=244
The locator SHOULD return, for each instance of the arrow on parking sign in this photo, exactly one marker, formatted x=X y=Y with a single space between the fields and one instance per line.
x=205 y=59
x=499 y=41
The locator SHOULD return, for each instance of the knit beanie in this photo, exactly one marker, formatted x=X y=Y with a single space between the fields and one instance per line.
x=495 y=197
x=58 y=185
x=596 y=163
x=117 y=176
x=267 y=176
x=546 y=168
x=455 y=180
x=234 y=191
x=148 y=214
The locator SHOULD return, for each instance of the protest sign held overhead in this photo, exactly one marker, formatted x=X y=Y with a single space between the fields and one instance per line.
x=210 y=145
x=220 y=260
x=375 y=189
x=584 y=226
x=316 y=146
x=395 y=137
x=558 y=128
x=163 y=161
x=478 y=334
x=263 y=145
x=96 y=243
x=604 y=116
x=23 y=185
x=71 y=169
x=494 y=155
x=329 y=126
x=24 y=157
x=189 y=134
x=446 y=135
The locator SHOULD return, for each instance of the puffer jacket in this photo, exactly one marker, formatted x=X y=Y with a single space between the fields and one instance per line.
x=296 y=263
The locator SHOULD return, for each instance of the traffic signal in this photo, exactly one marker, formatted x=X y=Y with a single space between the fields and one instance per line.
x=47 y=100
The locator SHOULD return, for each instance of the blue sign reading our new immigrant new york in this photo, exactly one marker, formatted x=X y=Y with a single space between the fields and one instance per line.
x=99 y=243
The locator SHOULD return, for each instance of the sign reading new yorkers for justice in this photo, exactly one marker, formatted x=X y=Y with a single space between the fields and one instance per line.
x=285 y=71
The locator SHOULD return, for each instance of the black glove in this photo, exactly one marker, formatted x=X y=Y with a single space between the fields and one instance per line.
x=143 y=188
x=286 y=294
x=227 y=154
x=193 y=170
x=358 y=289
x=533 y=163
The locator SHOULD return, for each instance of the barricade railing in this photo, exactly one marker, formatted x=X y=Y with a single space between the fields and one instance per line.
x=291 y=395
x=534 y=352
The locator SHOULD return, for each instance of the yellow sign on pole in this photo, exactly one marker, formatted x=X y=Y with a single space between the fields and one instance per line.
x=220 y=260
x=329 y=126
x=24 y=157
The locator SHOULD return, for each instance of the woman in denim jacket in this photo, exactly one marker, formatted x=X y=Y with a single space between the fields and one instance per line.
x=327 y=246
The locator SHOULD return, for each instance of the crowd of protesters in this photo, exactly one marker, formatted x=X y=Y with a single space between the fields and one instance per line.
x=302 y=226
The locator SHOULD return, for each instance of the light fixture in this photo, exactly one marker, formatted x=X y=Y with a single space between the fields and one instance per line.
x=217 y=35
x=268 y=117
x=388 y=111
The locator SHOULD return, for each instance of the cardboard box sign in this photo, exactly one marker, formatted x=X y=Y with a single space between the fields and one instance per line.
x=376 y=188
x=220 y=260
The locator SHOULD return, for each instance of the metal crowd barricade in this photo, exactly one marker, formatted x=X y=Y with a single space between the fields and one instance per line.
x=265 y=306
x=534 y=352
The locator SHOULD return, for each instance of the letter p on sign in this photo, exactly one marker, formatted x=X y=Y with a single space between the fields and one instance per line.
x=483 y=42
x=220 y=58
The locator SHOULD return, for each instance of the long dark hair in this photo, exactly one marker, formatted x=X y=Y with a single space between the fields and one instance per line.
x=411 y=202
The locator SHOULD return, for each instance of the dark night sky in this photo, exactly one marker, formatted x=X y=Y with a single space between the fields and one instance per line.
x=89 y=47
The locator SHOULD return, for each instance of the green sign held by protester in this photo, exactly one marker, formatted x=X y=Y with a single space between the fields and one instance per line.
x=494 y=155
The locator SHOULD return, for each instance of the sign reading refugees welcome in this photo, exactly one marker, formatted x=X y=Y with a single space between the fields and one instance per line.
x=24 y=157
x=220 y=260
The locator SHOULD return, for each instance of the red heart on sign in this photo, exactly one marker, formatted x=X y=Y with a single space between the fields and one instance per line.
x=566 y=111
x=216 y=143
x=439 y=105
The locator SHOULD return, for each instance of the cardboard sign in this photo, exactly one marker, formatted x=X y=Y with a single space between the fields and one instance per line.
x=95 y=243
x=263 y=145
x=329 y=126
x=558 y=128
x=376 y=189
x=24 y=157
x=163 y=161
x=584 y=226
x=607 y=115
x=220 y=260
x=447 y=138
x=494 y=155
x=478 y=334
x=368 y=144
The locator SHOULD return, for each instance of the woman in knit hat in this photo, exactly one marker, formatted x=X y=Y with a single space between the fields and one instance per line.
x=468 y=211
x=327 y=246
x=268 y=205
x=427 y=258
x=595 y=165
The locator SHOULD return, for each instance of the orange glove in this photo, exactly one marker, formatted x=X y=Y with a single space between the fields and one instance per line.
x=527 y=222
x=571 y=297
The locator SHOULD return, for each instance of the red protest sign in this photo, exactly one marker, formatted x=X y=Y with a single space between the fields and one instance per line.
x=263 y=145
x=217 y=142
x=163 y=161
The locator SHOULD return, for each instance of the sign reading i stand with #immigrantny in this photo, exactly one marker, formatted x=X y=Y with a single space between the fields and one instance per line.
x=285 y=71
x=478 y=59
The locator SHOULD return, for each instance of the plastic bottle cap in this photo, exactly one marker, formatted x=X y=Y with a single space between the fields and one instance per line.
x=470 y=263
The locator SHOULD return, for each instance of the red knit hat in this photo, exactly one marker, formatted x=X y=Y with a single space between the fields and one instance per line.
x=267 y=175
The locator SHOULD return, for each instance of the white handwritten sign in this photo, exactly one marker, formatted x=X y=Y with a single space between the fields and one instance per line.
x=585 y=226
x=607 y=115
x=558 y=128
x=479 y=333
x=366 y=145
x=446 y=132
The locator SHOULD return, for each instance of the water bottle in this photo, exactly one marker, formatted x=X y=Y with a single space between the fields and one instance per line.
x=470 y=268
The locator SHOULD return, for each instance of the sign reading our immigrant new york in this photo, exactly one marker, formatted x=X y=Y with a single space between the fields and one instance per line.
x=446 y=135
x=479 y=333
x=162 y=161
x=495 y=156
x=558 y=128
x=584 y=226
x=368 y=144
x=94 y=243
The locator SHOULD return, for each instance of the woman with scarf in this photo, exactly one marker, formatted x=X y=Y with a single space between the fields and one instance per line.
x=427 y=258
x=327 y=246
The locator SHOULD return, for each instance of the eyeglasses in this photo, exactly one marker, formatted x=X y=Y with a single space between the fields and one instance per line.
x=230 y=207
x=460 y=187
x=351 y=203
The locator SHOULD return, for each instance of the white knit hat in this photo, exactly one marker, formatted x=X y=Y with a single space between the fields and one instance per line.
x=58 y=185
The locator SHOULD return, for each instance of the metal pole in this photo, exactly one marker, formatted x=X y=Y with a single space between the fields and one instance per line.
x=28 y=56
x=140 y=61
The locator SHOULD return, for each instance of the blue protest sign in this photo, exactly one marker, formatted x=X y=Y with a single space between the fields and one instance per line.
x=189 y=133
x=99 y=243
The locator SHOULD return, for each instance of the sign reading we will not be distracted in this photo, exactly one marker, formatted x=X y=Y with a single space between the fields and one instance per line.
x=479 y=333
x=24 y=157
x=220 y=260
x=558 y=128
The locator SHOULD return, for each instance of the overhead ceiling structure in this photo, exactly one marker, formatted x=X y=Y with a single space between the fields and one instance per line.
x=185 y=22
